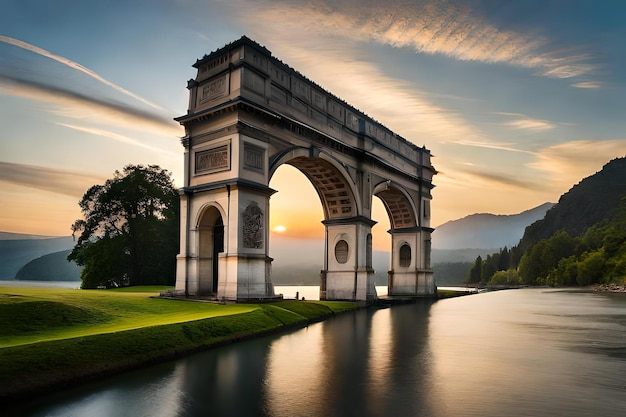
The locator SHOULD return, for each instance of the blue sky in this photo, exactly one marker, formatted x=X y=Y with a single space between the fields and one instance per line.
x=517 y=100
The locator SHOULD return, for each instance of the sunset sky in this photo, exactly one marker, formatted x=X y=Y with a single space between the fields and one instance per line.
x=517 y=100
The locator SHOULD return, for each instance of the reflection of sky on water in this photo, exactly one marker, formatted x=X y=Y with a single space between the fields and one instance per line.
x=513 y=353
x=522 y=349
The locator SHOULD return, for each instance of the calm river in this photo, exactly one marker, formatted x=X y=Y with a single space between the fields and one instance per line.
x=530 y=352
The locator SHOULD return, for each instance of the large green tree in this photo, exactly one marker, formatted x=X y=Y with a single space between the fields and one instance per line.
x=129 y=234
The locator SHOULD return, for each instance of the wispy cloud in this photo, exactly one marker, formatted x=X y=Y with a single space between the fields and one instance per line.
x=465 y=175
x=326 y=39
x=510 y=147
x=495 y=178
x=110 y=135
x=588 y=84
x=431 y=27
x=567 y=163
x=58 y=181
x=337 y=66
x=78 y=106
x=521 y=121
x=393 y=102
x=76 y=66
x=531 y=124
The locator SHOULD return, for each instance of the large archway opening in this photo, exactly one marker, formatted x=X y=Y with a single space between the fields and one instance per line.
x=381 y=245
x=319 y=182
x=211 y=244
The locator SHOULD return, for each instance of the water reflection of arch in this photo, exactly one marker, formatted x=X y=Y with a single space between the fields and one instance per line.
x=368 y=358
x=210 y=228
x=410 y=359
x=329 y=177
x=346 y=343
x=235 y=376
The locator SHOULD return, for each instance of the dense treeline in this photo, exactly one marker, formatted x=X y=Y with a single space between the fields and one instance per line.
x=129 y=235
x=483 y=269
x=572 y=245
x=451 y=273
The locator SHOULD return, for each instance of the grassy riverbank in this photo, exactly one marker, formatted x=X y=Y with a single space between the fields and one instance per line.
x=58 y=337
x=441 y=294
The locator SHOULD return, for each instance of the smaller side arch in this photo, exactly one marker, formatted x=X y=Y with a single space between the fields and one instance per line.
x=206 y=216
x=404 y=255
x=399 y=205
x=209 y=243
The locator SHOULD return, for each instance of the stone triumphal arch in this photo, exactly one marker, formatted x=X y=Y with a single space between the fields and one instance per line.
x=248 y=114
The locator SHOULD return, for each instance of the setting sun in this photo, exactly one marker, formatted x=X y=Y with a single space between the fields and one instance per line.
x=280 y=229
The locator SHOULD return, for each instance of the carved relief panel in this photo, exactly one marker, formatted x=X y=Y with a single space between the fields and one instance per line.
x=212 y=160
x=253 y=226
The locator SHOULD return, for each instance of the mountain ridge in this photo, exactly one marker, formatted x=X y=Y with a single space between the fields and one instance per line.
x=15 y=253
x=50 y=267
x=24 y=236
x=486 y=230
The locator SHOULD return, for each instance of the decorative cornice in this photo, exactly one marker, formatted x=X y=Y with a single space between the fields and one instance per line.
x=300 y=129
x=230 y=183
x=415 y=229
x=350 y=220
x=244 y=40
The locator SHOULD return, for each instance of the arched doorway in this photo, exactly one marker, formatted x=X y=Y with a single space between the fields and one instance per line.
x=211 y=239
x=218 y=247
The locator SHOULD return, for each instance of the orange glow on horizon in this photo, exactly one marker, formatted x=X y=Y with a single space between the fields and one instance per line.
x=296 y=207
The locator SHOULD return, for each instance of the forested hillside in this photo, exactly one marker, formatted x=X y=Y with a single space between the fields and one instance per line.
x=17 y=250
x=581 y=240
x=50 y=267
x=592 y=200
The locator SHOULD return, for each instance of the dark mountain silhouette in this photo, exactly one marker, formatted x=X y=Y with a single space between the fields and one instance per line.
x=486 y=231
x=50 y=267
x=22 y=236
x=439 y=256
x=17 y=250
x=591 y=200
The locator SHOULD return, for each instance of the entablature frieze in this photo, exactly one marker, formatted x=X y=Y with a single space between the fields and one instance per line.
x=293 y=126
x=283 y=86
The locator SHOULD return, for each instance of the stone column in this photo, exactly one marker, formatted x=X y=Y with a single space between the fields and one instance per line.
x=410 y=269
x=245 y=267
x=349 y=274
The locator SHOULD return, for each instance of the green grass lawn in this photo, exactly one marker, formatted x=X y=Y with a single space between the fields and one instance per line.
x=29 y=315
x=451 y=293
x=51 y=338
